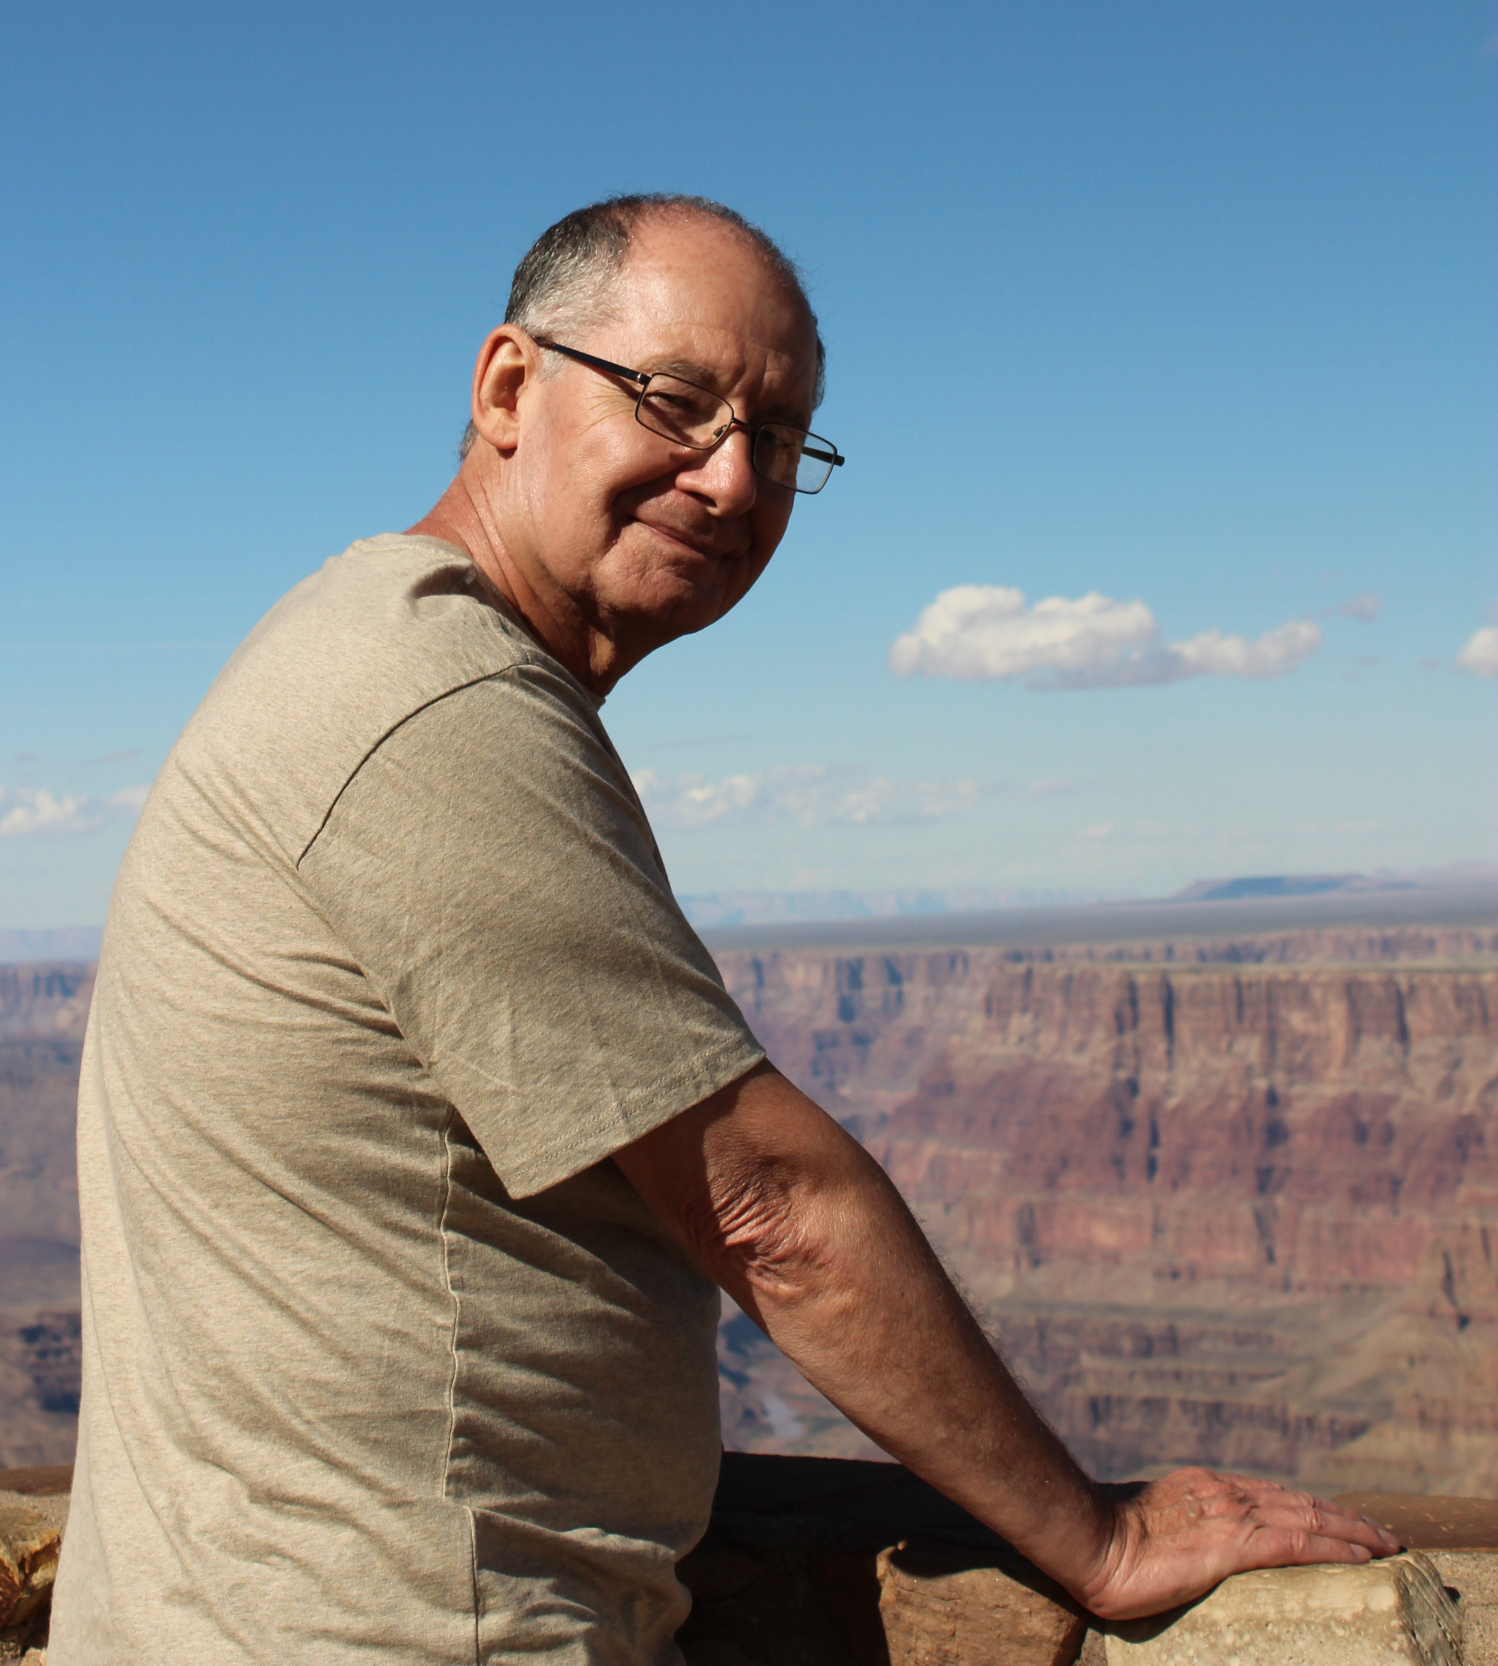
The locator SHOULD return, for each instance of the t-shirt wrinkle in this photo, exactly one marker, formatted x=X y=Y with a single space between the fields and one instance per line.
x=384 y=1357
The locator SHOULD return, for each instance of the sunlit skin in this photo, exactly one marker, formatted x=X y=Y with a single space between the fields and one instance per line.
x=608 y=540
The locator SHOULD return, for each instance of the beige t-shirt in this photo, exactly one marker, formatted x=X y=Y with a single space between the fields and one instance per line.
x=383 y=1358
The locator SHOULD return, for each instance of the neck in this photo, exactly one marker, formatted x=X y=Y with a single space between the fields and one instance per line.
x=464 y=516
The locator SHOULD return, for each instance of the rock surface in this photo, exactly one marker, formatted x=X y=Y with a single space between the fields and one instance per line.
x=938 y=1609
x=1391 y=1613
x=31 y=1532
x=1222 y=1212
x=1473 y=1575
x=1460 y=1535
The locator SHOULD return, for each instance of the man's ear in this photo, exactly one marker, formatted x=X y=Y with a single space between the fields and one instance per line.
x=506 y=362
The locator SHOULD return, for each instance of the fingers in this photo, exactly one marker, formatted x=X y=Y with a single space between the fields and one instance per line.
x=1278 y=1507
x=1324 y=1521
x=1285 y=1547
x=1266 y=1504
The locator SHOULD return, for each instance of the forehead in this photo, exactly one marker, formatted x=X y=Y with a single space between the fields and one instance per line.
x=701 y=289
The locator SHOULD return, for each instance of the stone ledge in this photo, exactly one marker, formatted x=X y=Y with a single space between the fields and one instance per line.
x=832 y=1562
x=1460 y=1535
x=1395 y=1611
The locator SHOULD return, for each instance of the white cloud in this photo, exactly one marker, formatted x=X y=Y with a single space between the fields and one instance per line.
x=1275 y=654
x=1366 y=607
x=811 y=796
x=27 y=811
x=987 y=631
x=1481 y=653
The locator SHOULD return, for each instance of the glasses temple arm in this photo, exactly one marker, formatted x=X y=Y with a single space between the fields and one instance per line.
x=639 y=377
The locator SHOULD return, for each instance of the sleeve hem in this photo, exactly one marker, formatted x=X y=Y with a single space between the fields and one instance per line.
x=560 y=1159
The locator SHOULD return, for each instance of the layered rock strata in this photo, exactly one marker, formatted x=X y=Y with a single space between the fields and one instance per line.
x=1222 y=1204
x=43 y=1014
x=1242 y=1214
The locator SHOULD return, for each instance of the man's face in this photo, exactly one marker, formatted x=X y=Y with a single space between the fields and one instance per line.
x=647 y=540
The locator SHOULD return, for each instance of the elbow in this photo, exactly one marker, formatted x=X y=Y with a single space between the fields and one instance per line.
x=767 y=1243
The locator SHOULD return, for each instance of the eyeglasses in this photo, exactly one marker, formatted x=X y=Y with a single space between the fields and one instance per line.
x=697 y=418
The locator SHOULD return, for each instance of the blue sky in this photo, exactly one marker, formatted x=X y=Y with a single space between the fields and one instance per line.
x=1186 y=306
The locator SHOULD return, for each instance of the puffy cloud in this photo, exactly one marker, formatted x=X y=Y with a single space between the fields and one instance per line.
x=33 y=811
x=985 y=631
x=1275 y=654
x=1481 y=653
x=812 y=796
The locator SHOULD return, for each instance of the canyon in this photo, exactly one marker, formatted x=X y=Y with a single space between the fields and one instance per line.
x=1230 y=1202
x=43 y=1015
x=1223 y=1199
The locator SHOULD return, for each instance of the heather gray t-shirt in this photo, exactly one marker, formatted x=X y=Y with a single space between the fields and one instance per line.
x=383 y=1358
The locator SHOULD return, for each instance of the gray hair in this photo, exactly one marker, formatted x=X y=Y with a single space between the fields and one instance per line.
x=563 y=282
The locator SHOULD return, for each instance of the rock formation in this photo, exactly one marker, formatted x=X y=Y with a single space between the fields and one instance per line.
x=1231 y=1202
x=43 y=1013
x=1238 y=1209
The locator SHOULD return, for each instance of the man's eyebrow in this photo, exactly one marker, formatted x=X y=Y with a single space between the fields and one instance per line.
x=687 y=369
x=690 y=371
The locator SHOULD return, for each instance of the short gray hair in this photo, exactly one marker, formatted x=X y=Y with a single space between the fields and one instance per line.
x=564 y=279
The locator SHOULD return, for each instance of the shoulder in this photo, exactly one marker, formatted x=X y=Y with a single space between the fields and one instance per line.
x=380 y=633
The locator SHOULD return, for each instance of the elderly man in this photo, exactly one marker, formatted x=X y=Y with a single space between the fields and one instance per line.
x=416 y=1130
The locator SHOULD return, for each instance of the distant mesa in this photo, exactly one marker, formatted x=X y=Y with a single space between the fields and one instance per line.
x=1288 y=885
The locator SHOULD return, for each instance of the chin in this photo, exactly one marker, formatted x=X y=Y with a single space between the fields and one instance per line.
x=674 y=610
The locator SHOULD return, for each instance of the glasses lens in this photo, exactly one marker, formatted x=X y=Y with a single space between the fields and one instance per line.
x=683 y=412
x=792 y=457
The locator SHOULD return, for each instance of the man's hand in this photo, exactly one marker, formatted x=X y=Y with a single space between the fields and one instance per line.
x=1179 y=1536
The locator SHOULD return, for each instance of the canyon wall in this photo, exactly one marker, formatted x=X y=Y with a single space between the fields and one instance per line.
x=43 y=1014
x=1232 y=1207
x=1233 y=1202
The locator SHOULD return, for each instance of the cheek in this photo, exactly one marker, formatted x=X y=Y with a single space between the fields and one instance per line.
x=580 y=473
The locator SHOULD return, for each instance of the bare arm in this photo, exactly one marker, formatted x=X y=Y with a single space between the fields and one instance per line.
x=804 y=1230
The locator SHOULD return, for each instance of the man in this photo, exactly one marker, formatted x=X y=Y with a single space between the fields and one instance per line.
x=416 y=1129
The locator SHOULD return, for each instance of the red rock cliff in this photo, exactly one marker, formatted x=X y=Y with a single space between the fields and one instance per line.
x=1238 y=1213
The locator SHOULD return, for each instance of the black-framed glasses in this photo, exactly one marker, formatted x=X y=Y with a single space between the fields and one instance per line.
x=697 y=418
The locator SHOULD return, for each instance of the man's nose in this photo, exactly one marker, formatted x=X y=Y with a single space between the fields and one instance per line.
x=726 y=473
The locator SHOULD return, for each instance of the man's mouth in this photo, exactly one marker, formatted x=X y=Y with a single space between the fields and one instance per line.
x=706 y=547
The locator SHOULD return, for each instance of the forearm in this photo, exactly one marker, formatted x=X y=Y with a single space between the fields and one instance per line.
x=821 y=1251
x=865 y=1310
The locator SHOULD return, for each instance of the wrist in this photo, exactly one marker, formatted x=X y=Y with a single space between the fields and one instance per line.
x=1077 y=1541
x=1110 y=1549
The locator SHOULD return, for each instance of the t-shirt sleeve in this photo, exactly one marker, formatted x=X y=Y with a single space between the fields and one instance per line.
x=492 y=873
